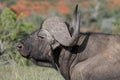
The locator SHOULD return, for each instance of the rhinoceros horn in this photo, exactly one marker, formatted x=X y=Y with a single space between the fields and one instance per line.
x=57 y=27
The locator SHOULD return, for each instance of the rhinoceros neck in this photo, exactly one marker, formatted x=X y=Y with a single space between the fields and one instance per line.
x=64 y=57
x=64 y=62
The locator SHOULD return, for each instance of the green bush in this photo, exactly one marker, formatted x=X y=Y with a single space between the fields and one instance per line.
x=116 y=28
x=12 y=30
x=116 y=14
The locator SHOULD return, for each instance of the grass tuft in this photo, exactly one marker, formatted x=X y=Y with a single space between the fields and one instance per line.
x=15 y=72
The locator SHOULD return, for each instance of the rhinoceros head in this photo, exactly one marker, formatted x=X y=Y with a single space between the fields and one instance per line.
x=54 y=32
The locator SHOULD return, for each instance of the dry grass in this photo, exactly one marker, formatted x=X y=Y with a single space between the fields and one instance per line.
x=15 y=72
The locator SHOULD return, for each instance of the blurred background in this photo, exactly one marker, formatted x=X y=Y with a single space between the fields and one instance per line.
x=18 y=18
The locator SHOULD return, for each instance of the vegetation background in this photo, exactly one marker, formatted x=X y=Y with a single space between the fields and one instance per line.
x=18 y=18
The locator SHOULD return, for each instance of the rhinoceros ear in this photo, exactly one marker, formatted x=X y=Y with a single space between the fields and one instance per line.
x=57 y=27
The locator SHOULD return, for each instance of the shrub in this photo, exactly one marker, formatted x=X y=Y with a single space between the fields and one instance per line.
x=12 y=30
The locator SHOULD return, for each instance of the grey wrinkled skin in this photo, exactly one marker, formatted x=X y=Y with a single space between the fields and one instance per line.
x=87 y=56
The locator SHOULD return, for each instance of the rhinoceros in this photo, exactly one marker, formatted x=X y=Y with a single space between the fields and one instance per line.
x=76 y=55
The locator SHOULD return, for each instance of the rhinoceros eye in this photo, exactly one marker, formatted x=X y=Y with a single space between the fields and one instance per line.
x=41 y=34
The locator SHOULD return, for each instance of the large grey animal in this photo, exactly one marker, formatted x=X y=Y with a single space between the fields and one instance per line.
x=76 y=55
